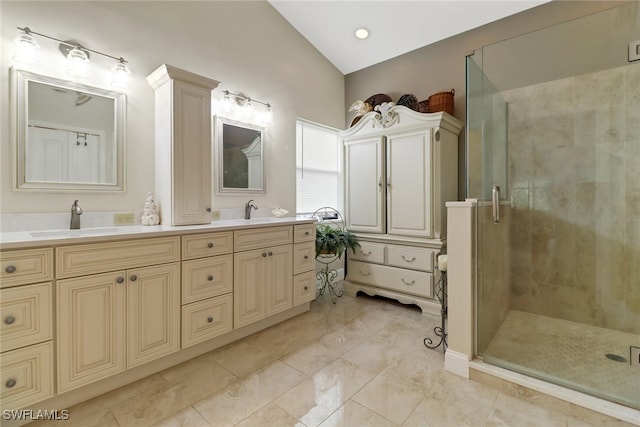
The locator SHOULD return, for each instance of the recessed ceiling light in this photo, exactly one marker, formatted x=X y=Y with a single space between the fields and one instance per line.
x=362 y=33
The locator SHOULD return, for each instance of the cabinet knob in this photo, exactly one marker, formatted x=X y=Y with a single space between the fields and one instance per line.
x=10 y=269
x=306 y=288
x=209 y=278
x=208 y=209
x=264 y=254
x=270 y=253
x=413 y=282
x=210 y=245
x=306 y=257
x=9 y=320
x=209 y=319
x=10 y=383
x=120 y=280
x=133 y=278
x=408 y=260
x=306 y=233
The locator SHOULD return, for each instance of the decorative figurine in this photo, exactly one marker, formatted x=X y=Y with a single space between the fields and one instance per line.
x=150 y=215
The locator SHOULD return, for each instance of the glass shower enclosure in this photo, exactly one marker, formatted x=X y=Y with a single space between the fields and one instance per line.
x=553 y=152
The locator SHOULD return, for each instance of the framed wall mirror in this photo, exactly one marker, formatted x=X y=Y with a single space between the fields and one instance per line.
x=67 y=136
x=240 y=157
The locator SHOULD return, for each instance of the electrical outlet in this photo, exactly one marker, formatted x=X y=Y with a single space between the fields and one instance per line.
x=123 y=218
x=635 y=356
x=215 y=214
x=634 y=51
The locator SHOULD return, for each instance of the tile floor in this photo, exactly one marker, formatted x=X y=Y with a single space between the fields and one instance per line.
x=360 y=362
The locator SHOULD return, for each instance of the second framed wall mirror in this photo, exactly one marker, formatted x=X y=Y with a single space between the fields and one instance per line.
x=240 y=157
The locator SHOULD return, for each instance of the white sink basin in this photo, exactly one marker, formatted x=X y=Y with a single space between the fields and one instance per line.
x=251 y=221
x=101 y=231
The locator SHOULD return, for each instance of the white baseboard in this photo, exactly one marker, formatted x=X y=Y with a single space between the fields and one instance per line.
x=456 y=363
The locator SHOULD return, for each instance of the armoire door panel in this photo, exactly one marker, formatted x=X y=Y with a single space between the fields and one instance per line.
x=365 y=185
x=409 y=184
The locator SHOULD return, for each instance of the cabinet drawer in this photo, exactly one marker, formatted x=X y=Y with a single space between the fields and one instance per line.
x=209 y=244
x=370 y=252
x=304 y=233
x=397 y=279
x=27 y=376
x=80 y=260
x=304 y=287
x=206 y=277
x=410 y=257
x=254 y=238
x=26 y=316
x=26 y=266
x=206 y=319
x=304 y=257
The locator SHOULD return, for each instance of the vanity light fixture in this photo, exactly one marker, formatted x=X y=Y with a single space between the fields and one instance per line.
x=362 y=33
x=77 y=56
x=244 y=108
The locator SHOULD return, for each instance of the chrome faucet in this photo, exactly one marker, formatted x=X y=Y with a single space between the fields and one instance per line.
x=76 y=211
x=247 y=209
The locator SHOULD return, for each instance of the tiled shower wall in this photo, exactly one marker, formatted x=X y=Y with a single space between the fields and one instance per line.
x=574 y=180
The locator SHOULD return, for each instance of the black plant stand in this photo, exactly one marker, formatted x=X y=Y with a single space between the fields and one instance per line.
x=440 y=289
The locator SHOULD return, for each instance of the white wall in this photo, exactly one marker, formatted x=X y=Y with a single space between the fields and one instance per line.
x=246 y=45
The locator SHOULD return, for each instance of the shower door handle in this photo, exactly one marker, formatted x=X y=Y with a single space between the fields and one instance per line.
x=495 y=196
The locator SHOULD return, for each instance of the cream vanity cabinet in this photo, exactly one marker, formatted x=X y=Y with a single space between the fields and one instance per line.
x=183 y=145
x=117 y=307
x=26 y=331
x=207 y=286
x=263 y=273
x=401 y=167
x=304 y=263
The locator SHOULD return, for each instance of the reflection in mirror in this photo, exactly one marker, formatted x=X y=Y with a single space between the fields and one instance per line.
x=240 y=152
x=67 y=136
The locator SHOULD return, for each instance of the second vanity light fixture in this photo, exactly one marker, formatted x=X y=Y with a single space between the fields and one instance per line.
x=243 y=108
x=77 y=56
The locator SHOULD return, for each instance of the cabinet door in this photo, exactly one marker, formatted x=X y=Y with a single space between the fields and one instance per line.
x=278 y=272
x=90 y=328
x=365 y=185
x=409 y=184
x=153 y=313
x=248 y=289
x=191 y=154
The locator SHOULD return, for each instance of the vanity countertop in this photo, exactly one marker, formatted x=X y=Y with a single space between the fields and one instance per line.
x=36 y=238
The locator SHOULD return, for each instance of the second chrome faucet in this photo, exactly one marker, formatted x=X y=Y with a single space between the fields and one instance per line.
x=76 y=211
x=247 y=209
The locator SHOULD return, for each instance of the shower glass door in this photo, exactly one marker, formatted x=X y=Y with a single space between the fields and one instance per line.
x=554 y=120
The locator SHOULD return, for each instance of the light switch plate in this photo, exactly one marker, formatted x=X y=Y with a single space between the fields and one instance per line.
x=635 y=356
x=634 y=51
x=123 y=218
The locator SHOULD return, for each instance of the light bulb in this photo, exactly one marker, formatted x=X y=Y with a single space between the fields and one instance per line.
x=120 y=75
x=77 y=63
x=26 y=49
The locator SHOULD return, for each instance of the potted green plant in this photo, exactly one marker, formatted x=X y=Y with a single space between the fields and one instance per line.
x=331 y=240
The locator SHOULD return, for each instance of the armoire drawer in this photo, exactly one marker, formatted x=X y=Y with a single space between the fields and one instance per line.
x=253 y=238
x=304 y=257
x=369 y=252
x=208 y=244
x=25 y=312
x=206 y=319
x=410 y=257
x=206 y=278
x=26 y=266
x=80 y=260
x=27 y=376
x=412 y=282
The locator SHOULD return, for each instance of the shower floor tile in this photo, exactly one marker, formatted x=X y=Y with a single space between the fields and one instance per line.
x=569 y=353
